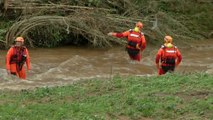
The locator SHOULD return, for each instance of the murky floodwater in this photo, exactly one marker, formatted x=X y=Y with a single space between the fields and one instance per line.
x=60 y=66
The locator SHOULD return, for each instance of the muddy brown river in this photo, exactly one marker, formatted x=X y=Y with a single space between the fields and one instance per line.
x=64 y=65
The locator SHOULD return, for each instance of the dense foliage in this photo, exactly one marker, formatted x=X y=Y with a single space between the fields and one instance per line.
x=182 y=19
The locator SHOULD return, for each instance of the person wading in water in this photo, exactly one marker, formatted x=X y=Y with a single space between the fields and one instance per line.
x=16 y=57
x=169 y=57
x=136 y=41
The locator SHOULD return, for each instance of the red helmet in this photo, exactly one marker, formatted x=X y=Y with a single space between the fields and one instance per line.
x=139 y=25
x=19 y=39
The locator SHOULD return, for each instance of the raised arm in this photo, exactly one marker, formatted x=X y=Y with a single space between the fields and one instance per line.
x=119 y=35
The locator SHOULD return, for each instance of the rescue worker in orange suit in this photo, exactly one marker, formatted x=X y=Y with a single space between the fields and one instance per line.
x=136 y=41
x=169 y=55
x=16 y=57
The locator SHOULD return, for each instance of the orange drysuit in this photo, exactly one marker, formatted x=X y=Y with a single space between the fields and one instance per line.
x=170 y=57
x=136 y=43
x=15 y=60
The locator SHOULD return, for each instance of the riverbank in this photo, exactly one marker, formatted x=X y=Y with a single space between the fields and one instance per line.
x=171 y=96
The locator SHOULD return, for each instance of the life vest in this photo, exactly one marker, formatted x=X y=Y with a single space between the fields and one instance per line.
x=134 y=38
x=169 y=55
x=19 y=55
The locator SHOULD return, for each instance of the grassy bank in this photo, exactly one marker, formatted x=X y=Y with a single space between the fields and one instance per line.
x=166 y=97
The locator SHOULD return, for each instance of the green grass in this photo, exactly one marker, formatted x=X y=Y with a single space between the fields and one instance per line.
x=165 y=97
